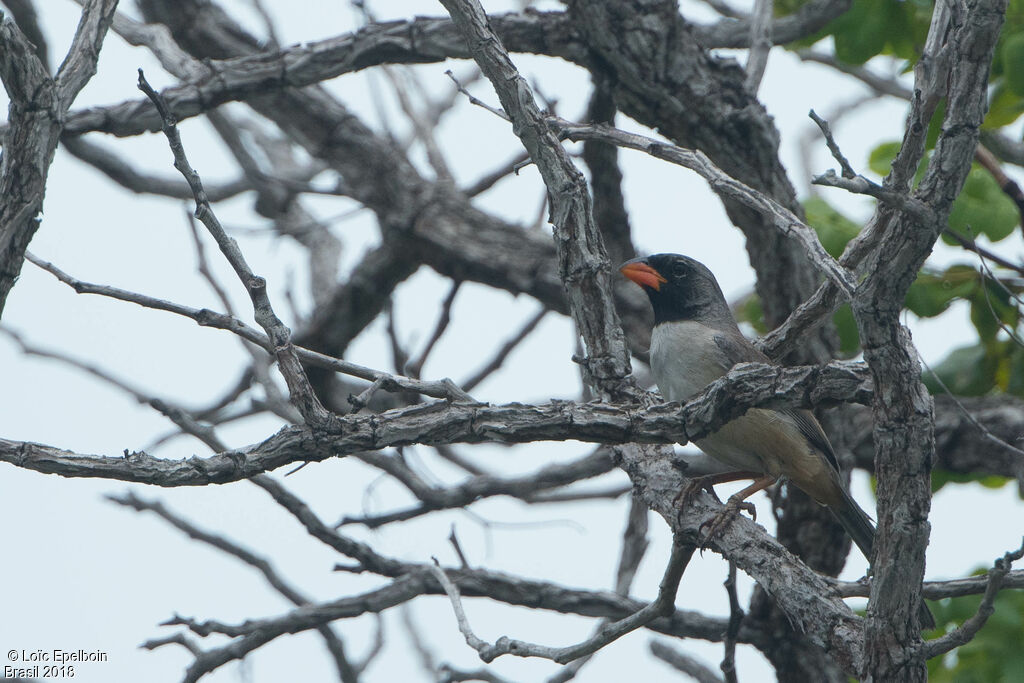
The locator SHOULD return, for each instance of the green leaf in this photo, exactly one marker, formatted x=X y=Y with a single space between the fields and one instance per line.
x=942 y=477
x=833 y=228
x=881 y=158
x=991 y=309
x=846 y=326
x=873 y=27
x=966 y=371
x=749 y=310
x=1004 y=108
x=995 y=653
x=982 y=208
x=931 y=293
x=1015 y=371
x=1012 y=52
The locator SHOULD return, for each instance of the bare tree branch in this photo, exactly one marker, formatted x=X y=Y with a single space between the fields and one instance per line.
x=299 y=389
x=36 y=114
x=965 y=632
x=663 y=605
x=440 y=388
x=335 y=646
x=736 y=32
x=958 y=54
x=748 y=385
x=683 y=663
x=784 y=219
x=760 y=43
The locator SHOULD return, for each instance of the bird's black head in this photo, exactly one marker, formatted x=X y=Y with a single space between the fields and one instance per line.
x=680 y=288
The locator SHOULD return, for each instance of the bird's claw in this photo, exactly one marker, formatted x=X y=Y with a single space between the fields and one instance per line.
x=688 y=492
x=722 y=519
x=691 y=488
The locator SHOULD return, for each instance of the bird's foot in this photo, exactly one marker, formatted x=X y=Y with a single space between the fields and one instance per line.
x=689 y=490
x=724 y=517
x=692 y=487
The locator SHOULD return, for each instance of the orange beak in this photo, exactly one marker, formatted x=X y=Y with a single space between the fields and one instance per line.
x=642 y=274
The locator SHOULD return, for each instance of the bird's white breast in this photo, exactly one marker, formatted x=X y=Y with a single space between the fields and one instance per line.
x=685 y=359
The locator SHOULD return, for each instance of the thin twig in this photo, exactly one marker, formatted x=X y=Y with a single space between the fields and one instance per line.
x=447 y=674
x=1009 y=187
x=488 y=180
x=937 y=590
x=683 y=663
x=399 y=357
x=476 y=488
x=453 y=456
x=499 y=358
x=375 y=648
x=182 y=418
x=989 y=436
x=176 y=639
x=972 y=245
x=473 y=100
x=426 y=658
x=443 y=388
x=334 y=644
x=760 y=43
x=359 y=402
x=721 y=183
x=423 y=129
x=268 y=22
x=299 y=389
x=837 y=154
x=735 y=619
x=454 y=540
x=879 y=84
x=966 y=632
x=414 y=368
x=634 y=545
x=662 y=606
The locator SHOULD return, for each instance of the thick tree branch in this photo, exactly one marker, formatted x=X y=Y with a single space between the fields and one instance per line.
x=35 y=117
x=956 y=62
x=748 y=385
x=582 y=259
x=736 y=32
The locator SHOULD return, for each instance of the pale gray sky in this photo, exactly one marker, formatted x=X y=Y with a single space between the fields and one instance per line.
x=78 y=572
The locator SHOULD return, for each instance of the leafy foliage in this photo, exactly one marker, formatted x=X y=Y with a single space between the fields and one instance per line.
x=996 y=362
x=995 y=655
x=872 y=27
x=942 y=477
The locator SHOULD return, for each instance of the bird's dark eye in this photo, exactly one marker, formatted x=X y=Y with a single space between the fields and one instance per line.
x=679 y=270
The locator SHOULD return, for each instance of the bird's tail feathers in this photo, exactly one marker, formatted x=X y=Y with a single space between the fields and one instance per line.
x=856 y=522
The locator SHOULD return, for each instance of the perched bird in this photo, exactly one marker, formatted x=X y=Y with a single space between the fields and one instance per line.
x=694 y=342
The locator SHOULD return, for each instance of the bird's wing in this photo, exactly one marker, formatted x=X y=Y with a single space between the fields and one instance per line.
x=811 y=430
x=742 y=351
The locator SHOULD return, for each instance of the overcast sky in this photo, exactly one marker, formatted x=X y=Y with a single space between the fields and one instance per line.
x=78 y=572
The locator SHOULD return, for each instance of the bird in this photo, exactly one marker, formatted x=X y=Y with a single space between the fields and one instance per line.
x=695 y=341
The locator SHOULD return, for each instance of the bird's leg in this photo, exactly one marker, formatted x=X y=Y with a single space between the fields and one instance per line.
x=707 y=483
x=736 y=502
